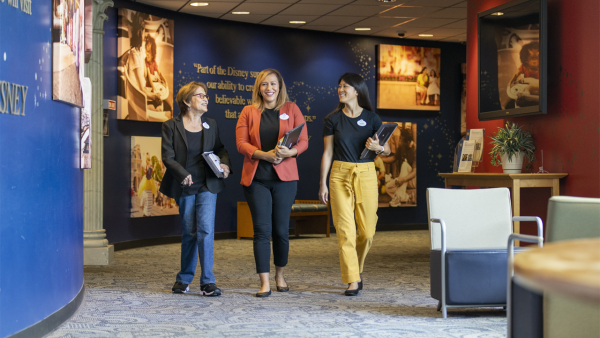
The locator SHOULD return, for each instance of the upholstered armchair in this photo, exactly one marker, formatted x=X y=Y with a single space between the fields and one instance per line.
x=469 y=230
x=532 y=314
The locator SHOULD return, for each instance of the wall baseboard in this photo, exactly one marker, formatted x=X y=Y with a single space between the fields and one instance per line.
x=53 y=321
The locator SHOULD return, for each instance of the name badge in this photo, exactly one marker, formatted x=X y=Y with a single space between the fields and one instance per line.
x=284 y=116
x=361 y=122
x=205 y=125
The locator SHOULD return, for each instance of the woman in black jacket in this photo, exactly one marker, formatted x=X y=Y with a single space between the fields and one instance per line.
x=192 y=183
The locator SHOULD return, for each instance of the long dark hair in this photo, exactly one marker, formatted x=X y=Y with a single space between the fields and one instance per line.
x=359 y=84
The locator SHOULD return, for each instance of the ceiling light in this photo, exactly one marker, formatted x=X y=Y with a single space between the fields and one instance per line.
x=387 y=0
x=498 y=13
x=199 y=4
x=298 y=22
x=240 y=12
x=425 y=35
x=362 y=29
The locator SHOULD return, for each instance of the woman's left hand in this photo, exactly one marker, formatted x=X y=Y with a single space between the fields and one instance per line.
x=373 y=144
x=285 y=152
x=225 y=170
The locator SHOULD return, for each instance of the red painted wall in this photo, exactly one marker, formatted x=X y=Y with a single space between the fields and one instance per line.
x=569 y=133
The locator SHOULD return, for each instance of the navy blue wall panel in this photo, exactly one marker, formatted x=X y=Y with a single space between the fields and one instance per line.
x=41 y=209
x=311 y=64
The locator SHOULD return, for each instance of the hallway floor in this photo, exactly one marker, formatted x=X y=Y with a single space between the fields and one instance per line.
x=132 y=297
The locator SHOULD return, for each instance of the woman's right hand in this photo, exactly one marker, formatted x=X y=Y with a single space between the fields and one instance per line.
x=323 y=194
x=187 y=181
x=271 y=157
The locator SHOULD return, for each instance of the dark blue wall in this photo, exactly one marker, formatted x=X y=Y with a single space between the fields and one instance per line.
x=41 y=209
x=311 y=64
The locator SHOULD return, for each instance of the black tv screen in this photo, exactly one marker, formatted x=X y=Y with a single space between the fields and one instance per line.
x=512 y=60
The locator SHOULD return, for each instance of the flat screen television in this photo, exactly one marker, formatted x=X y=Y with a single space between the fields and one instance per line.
x=512 y=60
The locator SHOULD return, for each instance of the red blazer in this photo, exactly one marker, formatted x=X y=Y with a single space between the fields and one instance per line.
x=248 y=141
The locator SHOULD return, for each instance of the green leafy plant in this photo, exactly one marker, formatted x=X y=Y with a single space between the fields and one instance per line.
x=511 y=140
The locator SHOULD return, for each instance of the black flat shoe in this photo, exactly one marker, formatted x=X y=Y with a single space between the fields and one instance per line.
x=263 y=294
x=360 y=285
x=353 y=292
x=283 y=288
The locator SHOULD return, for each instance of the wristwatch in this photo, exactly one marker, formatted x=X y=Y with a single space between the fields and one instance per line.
x=381 y=151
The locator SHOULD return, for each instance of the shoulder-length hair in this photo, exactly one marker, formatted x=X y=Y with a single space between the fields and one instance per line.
x=359 y=84
x=185 y=96
x=257 y=99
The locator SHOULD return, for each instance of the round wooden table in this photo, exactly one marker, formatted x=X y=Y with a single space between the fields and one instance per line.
x=571 y=268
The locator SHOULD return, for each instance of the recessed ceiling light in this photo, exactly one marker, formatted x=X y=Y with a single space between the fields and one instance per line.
x=298 y=22
x=425 y=35
x=240 y=12
x=498 y=13
x=199 y=4
x=387 y=0
x=362 y=29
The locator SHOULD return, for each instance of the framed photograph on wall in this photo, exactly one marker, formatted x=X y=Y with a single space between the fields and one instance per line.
x=145 y=67
x=68 y=51
x=86 y=125
x=397 y=173
x=408 y=78
x=147 y=170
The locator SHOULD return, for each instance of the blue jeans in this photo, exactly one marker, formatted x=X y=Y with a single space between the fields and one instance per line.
x=198 y=225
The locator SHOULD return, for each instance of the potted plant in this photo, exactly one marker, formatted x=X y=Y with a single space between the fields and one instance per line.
x=509 y=146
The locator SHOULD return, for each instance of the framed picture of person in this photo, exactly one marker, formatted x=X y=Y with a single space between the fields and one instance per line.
x=147 y=170
x=397 y=173
x=408 y=78
x=68 y=51
x=145 y=67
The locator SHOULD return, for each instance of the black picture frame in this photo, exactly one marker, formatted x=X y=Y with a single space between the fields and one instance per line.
x=497 y=34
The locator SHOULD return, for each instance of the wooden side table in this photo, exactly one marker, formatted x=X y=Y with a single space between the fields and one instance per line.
x=513 y=181
x=571 y=268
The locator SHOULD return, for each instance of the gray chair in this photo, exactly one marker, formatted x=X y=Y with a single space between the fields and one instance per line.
x=469 y=230
x=531 y=314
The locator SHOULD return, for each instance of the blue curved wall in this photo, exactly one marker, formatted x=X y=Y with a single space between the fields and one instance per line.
x=41 y=210
x=311 y=64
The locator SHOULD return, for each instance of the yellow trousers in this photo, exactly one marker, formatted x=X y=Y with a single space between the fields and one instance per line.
x=354 y=200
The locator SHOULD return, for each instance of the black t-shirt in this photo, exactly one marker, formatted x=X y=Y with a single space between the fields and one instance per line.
x=269 y=132
x=195 y=164
x=350 y=134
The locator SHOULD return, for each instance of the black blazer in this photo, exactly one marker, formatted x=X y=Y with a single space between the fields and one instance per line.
x=174 y=156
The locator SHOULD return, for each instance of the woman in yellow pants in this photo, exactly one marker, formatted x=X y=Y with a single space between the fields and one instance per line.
x=353 y=182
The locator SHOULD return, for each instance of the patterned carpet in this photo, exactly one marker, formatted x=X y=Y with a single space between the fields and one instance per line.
x=132 y=297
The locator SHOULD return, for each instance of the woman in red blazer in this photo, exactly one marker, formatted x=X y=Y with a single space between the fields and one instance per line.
x=270 y=173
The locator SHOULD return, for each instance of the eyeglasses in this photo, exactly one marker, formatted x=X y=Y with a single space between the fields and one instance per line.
x=201 y=96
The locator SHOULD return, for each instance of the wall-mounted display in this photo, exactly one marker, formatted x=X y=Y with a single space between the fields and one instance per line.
x=86 y=125
x=68 y=54
x=397 y=173
x=463 y=100
x=512 y=60
x=147 y=170
x=145 y=67
x=408 y=78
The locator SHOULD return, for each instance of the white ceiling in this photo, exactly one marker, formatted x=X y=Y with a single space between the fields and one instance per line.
x=445 y=19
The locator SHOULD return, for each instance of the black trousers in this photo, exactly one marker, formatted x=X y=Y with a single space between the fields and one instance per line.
x=270 y=204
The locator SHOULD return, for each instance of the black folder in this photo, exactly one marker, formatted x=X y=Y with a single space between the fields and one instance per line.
x=291 y=137
x=383 y=134
x=214 y=162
